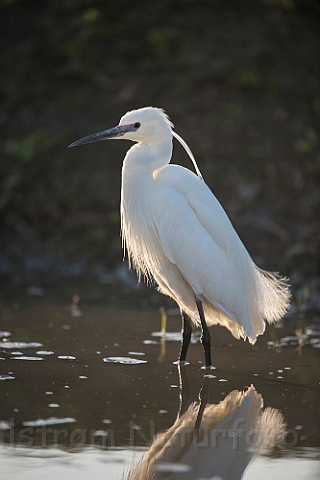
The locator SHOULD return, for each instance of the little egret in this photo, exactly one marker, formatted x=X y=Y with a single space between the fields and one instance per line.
x=176 y=232
x=227 y=438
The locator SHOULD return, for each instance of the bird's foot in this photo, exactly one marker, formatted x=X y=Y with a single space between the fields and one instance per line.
x=208 y=367
x=181 y=363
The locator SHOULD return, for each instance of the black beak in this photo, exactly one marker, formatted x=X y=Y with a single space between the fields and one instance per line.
x=106 y=134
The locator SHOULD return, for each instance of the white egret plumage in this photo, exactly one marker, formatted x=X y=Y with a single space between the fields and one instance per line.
x=176 y=232
x=228 y=437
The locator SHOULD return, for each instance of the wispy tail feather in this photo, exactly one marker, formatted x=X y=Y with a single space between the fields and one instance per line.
x=274 y=295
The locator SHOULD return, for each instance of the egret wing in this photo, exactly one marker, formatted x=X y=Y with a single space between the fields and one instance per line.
x=206 y=207
x=198 y=237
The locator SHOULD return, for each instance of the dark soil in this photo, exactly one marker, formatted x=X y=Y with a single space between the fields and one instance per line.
x=240 y=80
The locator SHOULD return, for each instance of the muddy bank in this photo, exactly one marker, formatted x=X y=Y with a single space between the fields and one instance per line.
x=240 y=80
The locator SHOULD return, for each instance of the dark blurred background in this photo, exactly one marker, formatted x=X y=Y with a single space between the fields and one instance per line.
x=239 y=79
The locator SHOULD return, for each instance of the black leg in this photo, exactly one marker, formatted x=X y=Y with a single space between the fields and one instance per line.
x=205 y=337
x=203 y=397
x=186 y=336
x=185 y=399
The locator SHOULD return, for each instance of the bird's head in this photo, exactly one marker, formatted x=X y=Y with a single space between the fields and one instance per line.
x=145 y=125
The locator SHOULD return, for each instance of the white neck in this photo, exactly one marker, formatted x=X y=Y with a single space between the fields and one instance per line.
x=142 y=159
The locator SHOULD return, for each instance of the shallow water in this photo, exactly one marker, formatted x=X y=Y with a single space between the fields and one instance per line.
x=74 y=413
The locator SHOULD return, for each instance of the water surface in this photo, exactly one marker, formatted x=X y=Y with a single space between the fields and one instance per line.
x=74 y=413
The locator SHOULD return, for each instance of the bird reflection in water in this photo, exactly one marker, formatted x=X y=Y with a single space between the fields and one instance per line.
x=211 y=441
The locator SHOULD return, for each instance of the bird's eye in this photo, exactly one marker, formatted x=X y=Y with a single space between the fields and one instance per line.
x=136 y=125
